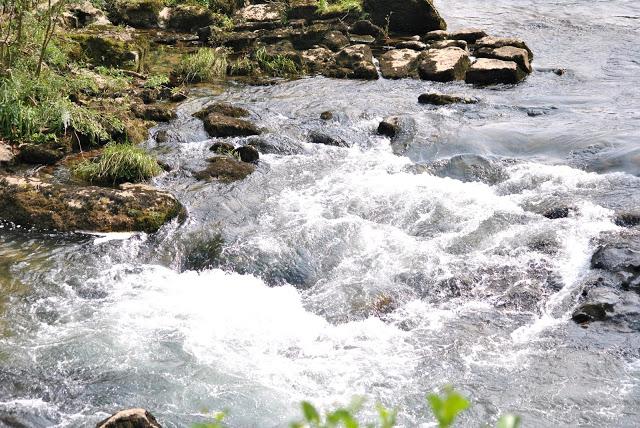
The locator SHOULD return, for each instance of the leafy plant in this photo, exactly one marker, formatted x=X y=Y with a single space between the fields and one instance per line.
x=156 y=81
x=508 y=421
x=343 y=417
x=447 y=407
x=206 y=65
x=119 y=163
x=275 y=65
x=339 y=6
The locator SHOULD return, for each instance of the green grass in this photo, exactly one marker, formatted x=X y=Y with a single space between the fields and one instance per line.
x=276 y=65
x=205 y=65
x=339 y=6
x=156 y=81
x=118 y=163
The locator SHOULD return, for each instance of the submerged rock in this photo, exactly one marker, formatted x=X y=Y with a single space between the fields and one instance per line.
x=399 y=63
x=438 y=99
x=443 y=65
x=318 y=137
x=405 y=16
x=469 y=167
x=589 y=312
x=628 y=218
x=621 y=258
x=248 y=154
x=492 y=71
x=226 y=169
x=389 y=127
x=224 y=109
x=221 y=126
x=130 y=418
x=31 y=202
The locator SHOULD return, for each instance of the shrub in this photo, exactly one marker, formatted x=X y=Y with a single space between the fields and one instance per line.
x=206 y=65
x=118 y=163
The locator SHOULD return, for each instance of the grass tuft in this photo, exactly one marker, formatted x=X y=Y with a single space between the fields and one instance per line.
x=276 y=65
x=206 y=65
x=118 y=163
x=339 y=6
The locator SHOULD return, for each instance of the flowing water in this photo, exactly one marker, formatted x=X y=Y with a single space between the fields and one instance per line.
x=383 y=270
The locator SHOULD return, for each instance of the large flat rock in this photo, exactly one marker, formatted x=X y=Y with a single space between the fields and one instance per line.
x=444 y=65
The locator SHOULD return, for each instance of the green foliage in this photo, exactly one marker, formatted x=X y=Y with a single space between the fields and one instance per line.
x=205 y=65
x=339 y=6
x=345 y=417
x=217 y=422
x=447 y=407
x=508 y=421
x=156 y=81
x=275 y=65
x=119 y=163
x=242 y=67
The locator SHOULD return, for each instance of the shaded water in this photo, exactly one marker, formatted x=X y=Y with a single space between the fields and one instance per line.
x=370 y=270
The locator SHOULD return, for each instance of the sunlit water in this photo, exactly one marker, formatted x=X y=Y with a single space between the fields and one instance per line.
x=362 y=271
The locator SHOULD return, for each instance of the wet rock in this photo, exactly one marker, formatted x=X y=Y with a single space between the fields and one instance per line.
x=335 y=40
x=507 y=53
x=355 y=62
x=278 y=145
x=366 y=28
x=189 y=17
x=138 y=13
x=224 y=109
x=82 y=14
x=443 y=65
x=589 y=312
x=222 y=148
x=40 y=154
x=310 y=36
x=389 y=127
x=405 y=16
x=357 y=39
x=493 y=71
x=626 y=218
x=155 y=112
x=263 y=12
x=318 y=137
x=130 y=418
x=439 y=99
x=441 y=44
x=303 y=9
x=469 y=35
x=248 y=154
x=202 y=252
x=415 y=45
x=33 y=203
x=226 y=169
x=221 y=126
x=6 y=154
x=557 y=213
x=326 y=115
x=499 y=42
x=621 y=258
x=399 y=63
x=469 y=168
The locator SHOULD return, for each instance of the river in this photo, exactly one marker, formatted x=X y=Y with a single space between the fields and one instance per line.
x=381 y=270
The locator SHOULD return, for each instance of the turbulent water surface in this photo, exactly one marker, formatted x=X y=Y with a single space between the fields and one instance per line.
x=378 y=270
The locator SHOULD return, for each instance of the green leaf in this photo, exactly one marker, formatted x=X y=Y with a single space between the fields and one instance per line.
x=446 y=409
x=508 y=421
x=387 y=417
x=310 y=413
x=344 y=417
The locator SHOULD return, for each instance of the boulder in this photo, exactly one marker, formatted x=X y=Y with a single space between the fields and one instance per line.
x=366 y=28
x=82 y=14
x=310 y=36
x=435 y=35
x=30 y=202
x=6 y=154
x=441 y=44
x=248 y=154
x=487 y=71
x=557 y=213
x=318 y=137
x=275 y=144
x=224 y=109
x=405 y=16
x=620 y=258
x=469 y=35
x=335 y=40
x=263 y=12
x=187 y=18
x=137 y=13
x=131 y=418
x=443 y=65
x=226 y=169
x=222 y=148
x=438 y=99
x=355 y=62
x=155 y=112
x=108 y=48
x=326 y=115
x=218 y=125
x=317 y=60
x=399 y=63
x=416 y=45
x=469 y=168
x=499 y=42
x=303 y=9
x=40 y=154
x=626 y=218
x=507 y=53
x=389 y=127
x=589 y=312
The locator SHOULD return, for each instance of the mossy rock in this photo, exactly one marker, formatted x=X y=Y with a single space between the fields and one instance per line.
x=107 y=50
x=137 y=13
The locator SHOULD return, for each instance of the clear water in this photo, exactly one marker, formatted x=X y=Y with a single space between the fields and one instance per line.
x=478 y=285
